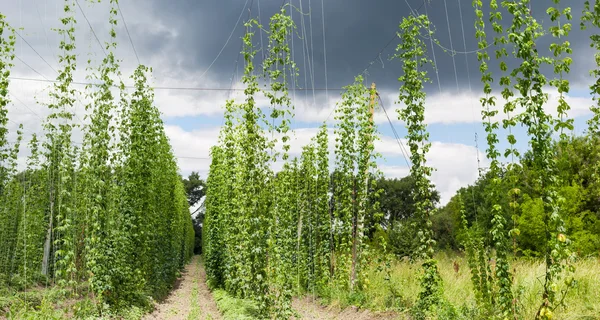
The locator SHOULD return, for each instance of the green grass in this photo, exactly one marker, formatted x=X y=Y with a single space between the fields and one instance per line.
x=233 y=308
x=55 y=303
x=195 y=310
x=400 y=293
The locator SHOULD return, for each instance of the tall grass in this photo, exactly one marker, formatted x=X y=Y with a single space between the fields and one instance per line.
x=400 y=292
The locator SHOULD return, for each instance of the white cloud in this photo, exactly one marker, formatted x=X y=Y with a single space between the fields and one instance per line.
x=455 y=164
x=192 y=148
x=452 y=108
x=440 y=108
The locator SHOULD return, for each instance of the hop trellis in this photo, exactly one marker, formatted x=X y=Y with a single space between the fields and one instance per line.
x=112 y=212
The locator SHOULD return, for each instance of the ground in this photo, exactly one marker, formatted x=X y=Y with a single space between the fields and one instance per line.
x=308 y=308
x=190 y=299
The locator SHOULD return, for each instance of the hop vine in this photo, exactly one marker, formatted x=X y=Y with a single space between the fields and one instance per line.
x=412 y=52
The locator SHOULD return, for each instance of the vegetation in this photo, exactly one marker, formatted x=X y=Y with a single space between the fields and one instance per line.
x=401 y=292
x=195 y=189
x=105 y=223
x=515 y=209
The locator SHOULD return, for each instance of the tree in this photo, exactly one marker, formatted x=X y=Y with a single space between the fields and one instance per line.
x=195 y=189
x=397 y=201
x=397 y=204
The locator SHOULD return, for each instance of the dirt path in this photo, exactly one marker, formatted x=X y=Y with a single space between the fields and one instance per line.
x=309 y=309
x=190 y=299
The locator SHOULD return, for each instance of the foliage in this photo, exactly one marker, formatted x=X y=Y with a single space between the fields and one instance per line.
x=411 y=51
x=396 y=199
x=499 y=301
x=575 y=163
x=194 y=188
x=111 y=214
x=352 y=183
x=233 y=308
x=397 y=205
x=269 y=235
x=7 y=45
x=398 y=295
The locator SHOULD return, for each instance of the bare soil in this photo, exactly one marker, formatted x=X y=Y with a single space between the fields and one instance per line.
x=190 y=299
x=311 y=309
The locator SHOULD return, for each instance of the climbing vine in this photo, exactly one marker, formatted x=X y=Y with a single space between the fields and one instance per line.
x=59 y=249
x=101 y=205
x=529 y=82
x=323 y=226
x=354 y=158
x=112 y=212
x=411 y=51
x=591 y=17
x=501 y=286
x=7 y=45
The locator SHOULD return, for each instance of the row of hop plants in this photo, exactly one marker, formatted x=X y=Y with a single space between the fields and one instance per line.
x=111 y=212
x=270 y=235
x=524 y=99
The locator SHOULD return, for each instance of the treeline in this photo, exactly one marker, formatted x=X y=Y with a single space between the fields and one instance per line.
x=579 y=191
x=580 y=206
x=106 y=217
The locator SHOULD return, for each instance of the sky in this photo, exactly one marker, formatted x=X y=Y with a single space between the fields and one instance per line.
x=196 y=44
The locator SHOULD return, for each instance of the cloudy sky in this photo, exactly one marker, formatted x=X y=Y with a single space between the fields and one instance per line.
x=196 y=44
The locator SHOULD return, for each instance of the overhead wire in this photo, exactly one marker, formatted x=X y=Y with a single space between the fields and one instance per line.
x=394 y=36
x=128 y=34
x=378 y=55
x=32 y=69
x=81 y=143
x=226 y=42
x=26 y=106
x=462 y=27
x=453 y=52
x=451 y=44
x=304 y=49
x=91 y=28
x=163 y=87
x=396 y=135
x=310 y=64
x=437 y=74
x=234 y=73
x=36 y=52
x=45 y=32
x=324 y=51
x=294 y=76
x=312 y=53
x=262 y=51
x=44 y=80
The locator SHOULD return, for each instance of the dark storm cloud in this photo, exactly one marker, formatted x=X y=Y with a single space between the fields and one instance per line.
x=355 y=32
x=190 y=33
